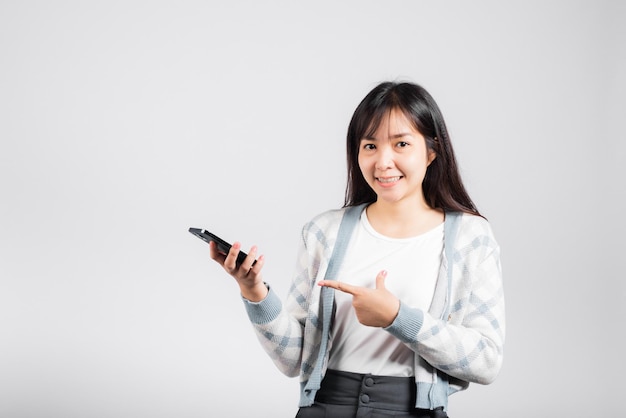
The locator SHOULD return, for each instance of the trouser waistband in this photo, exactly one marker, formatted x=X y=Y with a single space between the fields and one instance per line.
x=384 y=392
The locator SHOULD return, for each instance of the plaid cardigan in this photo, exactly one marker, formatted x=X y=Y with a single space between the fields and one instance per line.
x=458 y=341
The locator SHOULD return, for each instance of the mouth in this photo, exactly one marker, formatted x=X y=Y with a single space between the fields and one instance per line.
x=387 y=180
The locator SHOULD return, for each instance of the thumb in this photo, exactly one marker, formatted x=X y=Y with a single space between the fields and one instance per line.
x=380 y=279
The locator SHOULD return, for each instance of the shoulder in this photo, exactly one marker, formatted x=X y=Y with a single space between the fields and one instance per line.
x=328 y=217
x=474 y=233
x=325 y=222
x=324 y=227
x=319 y=235
x=474 y=225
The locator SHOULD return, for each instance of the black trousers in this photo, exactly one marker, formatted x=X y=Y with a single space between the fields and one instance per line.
x=354 y=395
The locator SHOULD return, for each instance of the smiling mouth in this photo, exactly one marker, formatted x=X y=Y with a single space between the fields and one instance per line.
x=388 y=179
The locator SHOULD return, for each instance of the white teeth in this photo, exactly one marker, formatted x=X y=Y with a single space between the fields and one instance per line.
x=388 y=179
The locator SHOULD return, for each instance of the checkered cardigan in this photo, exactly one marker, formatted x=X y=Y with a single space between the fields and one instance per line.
x=458 y=341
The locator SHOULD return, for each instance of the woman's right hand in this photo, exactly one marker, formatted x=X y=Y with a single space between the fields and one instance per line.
x=248 y=274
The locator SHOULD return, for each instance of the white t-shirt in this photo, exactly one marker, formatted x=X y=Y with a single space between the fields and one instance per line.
x=412 y=265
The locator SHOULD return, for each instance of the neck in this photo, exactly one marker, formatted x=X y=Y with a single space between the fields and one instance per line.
x=403 y=219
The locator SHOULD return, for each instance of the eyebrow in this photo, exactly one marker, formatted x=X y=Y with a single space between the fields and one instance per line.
x=394 y=136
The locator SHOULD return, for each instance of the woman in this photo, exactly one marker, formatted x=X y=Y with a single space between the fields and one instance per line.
x=397 y=301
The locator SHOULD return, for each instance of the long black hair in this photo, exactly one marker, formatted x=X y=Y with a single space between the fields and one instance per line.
x=442 y=186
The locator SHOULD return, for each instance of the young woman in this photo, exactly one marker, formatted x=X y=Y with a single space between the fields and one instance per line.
x=397 y=300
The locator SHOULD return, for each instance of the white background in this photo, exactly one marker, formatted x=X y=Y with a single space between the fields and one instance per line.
x=123 y=123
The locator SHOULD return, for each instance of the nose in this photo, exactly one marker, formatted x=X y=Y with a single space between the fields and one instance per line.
x=385 y=159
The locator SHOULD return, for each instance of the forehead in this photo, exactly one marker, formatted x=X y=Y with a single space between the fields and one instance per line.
x=391 y=122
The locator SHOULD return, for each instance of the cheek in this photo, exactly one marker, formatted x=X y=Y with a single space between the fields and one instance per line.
x=366 y=167
x=362 y=162
x=416 y=164
x=422 y=158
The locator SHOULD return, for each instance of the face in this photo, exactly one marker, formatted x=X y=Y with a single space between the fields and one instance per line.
x=394 y=160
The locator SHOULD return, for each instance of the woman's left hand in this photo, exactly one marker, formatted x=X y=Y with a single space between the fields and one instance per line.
x=374 y=307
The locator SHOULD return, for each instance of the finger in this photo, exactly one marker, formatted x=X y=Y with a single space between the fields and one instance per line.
x=337 y=285
x=248 y=262
x=380 y=279
x=230 y=262
x=215 y=254
x=258 y=264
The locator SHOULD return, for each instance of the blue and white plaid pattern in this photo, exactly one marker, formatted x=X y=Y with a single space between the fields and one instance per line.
x=458 y=341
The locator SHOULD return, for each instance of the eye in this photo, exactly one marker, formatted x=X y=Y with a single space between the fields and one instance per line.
x=369 y=146
x=402 y=144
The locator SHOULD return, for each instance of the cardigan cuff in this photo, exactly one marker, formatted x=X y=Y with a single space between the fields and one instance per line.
x=407 y=324
x=265 y=310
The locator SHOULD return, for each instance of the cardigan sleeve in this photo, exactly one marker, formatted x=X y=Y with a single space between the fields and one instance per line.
x=282 y=328
x=279 y=333
x=468 y=344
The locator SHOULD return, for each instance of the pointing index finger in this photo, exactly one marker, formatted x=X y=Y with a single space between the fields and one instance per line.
x=337 y=285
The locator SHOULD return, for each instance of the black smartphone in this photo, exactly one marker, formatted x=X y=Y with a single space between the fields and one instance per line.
x=222 y=246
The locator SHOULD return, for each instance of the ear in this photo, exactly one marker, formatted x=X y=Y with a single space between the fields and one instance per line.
x=431 y=156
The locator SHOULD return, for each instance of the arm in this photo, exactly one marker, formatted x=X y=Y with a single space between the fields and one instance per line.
x=280 y=327
x=280 y=334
